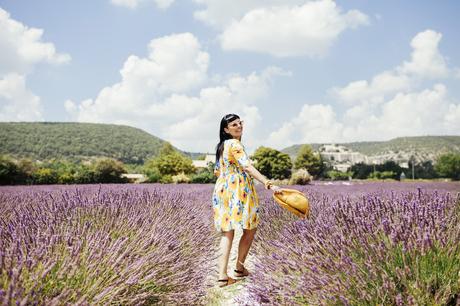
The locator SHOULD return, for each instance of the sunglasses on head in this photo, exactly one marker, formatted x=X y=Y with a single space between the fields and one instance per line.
x=230 y=117
x=237 y=123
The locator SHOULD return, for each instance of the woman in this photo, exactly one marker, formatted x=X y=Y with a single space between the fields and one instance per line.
x=235 y=201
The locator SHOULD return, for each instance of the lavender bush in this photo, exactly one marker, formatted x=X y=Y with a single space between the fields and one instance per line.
x=364 y=244
x=377 y=248
x=108 y=245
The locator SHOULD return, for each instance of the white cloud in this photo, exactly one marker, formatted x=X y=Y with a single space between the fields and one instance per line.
x=175 y=64
x=309 y=29
x=391 y=104
x=374 y=92
x=315 y=123
x=406 y=114
x=278 y=27
x=156 y=93
x=426 y=60
x=452 y=118
x=132 y=4
x=220 y=13
x=425 y=112
x=22 y=47
x=17 y=103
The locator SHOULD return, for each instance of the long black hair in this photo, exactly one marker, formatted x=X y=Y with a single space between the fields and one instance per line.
x=223 y=135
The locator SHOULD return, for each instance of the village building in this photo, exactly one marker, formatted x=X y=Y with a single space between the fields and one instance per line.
x=203 y=163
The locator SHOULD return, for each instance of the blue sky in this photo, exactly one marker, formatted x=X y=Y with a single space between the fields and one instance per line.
x=296 y=71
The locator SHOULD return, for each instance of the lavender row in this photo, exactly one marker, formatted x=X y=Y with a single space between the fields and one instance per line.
x=381 y=247
x=99 y=245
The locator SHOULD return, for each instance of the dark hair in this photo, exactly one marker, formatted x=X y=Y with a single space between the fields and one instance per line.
x=223 y=135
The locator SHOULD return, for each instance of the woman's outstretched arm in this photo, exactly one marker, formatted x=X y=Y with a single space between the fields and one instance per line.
x=252 y=171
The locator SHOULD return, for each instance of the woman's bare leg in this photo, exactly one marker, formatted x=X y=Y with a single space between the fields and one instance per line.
x=225 y=247
x=244 y=246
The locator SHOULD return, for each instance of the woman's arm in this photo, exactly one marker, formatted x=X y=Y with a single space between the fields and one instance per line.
x=241 y=157
x=252 y=171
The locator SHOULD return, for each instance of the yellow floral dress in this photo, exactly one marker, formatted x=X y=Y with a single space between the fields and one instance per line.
x=235 y=201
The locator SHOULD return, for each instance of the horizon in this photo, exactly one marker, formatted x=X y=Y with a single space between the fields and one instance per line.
x=369 y=73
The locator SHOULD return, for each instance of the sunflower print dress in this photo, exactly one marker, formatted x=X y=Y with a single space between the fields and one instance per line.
x=235 y=201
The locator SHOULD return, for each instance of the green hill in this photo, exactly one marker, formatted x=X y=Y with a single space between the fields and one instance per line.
x=427 y=146
x=77 y=141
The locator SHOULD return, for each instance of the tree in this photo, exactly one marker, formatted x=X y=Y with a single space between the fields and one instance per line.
x=361 y=170
x=170 y=162
x=272 y=163
x=448 y=165
x=423 y=170
x=108 y=170
x=390 y=166
x=167 y=149
x=307 y=159
x=8 y=171
x=26 y=168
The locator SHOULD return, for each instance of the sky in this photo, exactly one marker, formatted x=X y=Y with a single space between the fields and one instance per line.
x=296 y=71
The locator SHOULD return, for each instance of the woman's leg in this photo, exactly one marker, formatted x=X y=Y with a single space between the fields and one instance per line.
x=225 y=247
x=244 y=246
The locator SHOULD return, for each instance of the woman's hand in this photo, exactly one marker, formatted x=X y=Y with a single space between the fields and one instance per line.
x=276 y=189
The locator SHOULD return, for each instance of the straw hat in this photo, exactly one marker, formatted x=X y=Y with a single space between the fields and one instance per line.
x=294 y=201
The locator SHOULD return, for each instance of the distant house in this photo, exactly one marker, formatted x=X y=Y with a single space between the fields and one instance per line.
x=209 y=158
x=338 y=154
x=135 y=177
x=342 y=167
x=404 y=164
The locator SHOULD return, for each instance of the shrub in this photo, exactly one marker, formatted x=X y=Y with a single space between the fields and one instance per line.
x=108 y=170
x=45 y=176
x=339 y=175
x=382 y=175
x=153 y=175
x=166 y=179
x=8 y=171
x=66 y=178
x=203 y=177
x=84 y=175
x=180 y=178
x=300 y=177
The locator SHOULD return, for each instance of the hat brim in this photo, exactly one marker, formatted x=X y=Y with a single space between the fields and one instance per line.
x=295 y=208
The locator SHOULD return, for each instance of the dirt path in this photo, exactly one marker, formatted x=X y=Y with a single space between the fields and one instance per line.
x=227 y=296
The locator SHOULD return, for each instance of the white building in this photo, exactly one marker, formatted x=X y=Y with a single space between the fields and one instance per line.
x=135 y=177
x=337 y=154
x=209 y=158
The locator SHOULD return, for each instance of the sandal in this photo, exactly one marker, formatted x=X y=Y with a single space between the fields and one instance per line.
x=239 y=273
x=226 y=282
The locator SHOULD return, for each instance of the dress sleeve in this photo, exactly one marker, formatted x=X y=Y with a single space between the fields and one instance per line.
x=237 y=150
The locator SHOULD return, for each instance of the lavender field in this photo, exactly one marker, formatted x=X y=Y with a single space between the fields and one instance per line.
x=364 y=244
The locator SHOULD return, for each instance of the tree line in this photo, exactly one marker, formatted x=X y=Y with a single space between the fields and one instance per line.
x=171 y=166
